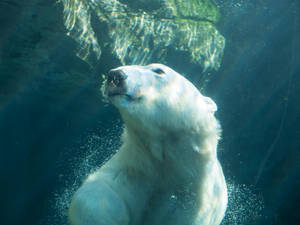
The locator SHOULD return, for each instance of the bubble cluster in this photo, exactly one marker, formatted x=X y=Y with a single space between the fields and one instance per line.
x=244 y=206
x=95 y=148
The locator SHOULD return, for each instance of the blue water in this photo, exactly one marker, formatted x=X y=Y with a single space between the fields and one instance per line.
x=55 y=129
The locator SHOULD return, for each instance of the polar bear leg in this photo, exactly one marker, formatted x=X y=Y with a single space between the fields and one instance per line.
x=95 y=203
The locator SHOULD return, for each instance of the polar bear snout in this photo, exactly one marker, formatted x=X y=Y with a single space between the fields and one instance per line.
x=116 y=77
x=116 y=82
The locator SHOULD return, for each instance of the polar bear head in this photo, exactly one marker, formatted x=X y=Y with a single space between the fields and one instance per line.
x=158 y=100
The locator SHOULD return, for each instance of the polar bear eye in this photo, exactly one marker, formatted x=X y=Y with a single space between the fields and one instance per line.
x=158 y=71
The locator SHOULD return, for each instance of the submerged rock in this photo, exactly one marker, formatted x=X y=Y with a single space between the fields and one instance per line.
x=140 y=31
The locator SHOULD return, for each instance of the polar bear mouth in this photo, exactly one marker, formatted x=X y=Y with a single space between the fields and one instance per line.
x=116 y=94
x=116 y=87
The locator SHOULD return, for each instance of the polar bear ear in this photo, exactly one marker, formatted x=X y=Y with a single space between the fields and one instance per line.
x=212 y=107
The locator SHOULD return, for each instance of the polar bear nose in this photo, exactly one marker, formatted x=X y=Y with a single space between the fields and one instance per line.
x=116 y=77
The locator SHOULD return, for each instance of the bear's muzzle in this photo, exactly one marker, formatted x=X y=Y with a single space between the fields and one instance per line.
x=116 y=82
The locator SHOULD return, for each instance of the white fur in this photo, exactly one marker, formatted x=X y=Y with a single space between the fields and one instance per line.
x=166 y=172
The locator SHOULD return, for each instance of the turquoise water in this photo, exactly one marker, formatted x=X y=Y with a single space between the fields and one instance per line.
x=55 y=128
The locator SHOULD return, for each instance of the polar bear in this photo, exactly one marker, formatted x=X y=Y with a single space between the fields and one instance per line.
x=166 y=171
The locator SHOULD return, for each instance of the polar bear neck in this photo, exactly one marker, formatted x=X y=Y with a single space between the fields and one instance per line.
x=170 y=155
x=167 y=143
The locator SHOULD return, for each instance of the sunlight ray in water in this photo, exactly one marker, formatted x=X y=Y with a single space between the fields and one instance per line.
x=139 y=36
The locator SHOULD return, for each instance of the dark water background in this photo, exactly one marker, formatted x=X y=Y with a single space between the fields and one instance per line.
x=50 y=105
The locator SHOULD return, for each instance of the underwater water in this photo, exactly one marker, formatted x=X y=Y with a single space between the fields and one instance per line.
x=55 y=128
